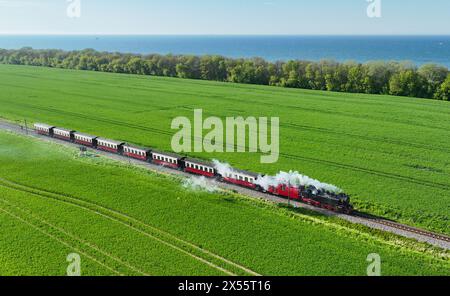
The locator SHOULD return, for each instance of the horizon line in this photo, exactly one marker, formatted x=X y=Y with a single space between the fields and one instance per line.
x=212 y=35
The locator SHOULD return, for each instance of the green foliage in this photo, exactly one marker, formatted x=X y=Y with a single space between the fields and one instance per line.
x=395 y=78
x=407 y=83
x=434 y=75
x=443 y=92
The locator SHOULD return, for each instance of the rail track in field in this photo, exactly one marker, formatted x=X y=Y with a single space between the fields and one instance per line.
x=403 y=227
x=379 y=223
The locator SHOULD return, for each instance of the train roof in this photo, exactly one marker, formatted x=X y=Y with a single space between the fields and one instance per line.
x=168 y=154
x=63 y=129
x=85 y=135
x=114 y=142
x=137 y=147
x=200 y=162
x=251 y=174
x=43 y=125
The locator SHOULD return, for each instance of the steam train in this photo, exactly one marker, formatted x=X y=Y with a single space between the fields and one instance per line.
x=305 y=194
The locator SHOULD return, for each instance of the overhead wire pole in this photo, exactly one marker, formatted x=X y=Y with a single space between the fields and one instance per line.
x=289 y=193
x=26 y=126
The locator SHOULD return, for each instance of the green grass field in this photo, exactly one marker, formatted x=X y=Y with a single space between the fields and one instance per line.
x=390 y=153
x=136 y=222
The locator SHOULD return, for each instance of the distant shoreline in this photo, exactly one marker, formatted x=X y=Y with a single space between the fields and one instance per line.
x=431 y=81
x=418 y=49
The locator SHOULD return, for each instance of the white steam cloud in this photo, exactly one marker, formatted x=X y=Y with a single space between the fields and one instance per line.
x=222 y=168
x=294 y=179
x=200 y=184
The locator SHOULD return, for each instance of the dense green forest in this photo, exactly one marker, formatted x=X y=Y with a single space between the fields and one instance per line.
x=378 y=77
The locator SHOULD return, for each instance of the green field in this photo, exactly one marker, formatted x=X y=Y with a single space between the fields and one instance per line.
x=392 y=154
x=136 y=222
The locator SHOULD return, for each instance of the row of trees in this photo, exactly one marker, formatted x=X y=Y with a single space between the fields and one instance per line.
x=394 y=78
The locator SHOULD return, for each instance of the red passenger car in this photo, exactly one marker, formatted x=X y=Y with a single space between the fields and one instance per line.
x=109 y=145
x=63 y=134
x=166 y=159
x=198 y=167
x=44 y=129
x=136 y=152
x=84 y=139
x=242 y=178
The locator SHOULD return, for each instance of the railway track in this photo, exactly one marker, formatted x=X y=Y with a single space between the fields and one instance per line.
x=403 y=227
x=439 y=240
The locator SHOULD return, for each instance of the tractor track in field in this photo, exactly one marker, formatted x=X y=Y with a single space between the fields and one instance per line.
x=68 y=245
x=85 y=243
x=334 y=164
x=369 y=138
x=369 y=221
x=295 y=126
x=288 y=125
x=141 y=87
x=162 y=236
x=328 y=112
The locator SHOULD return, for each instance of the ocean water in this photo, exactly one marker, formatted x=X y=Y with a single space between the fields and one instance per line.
x=417 y=49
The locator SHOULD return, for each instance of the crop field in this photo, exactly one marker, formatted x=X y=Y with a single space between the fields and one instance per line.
x=136 y=222
x=391 y=154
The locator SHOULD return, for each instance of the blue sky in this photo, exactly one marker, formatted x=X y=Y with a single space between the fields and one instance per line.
x=179 y=17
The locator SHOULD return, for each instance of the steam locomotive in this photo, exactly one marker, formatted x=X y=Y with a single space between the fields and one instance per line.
x=306 y=194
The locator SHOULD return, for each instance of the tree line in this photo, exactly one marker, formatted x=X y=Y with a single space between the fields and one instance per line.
x=379 y=77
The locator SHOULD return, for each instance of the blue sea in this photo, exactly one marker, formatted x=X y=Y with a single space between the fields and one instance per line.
x=417 y=49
